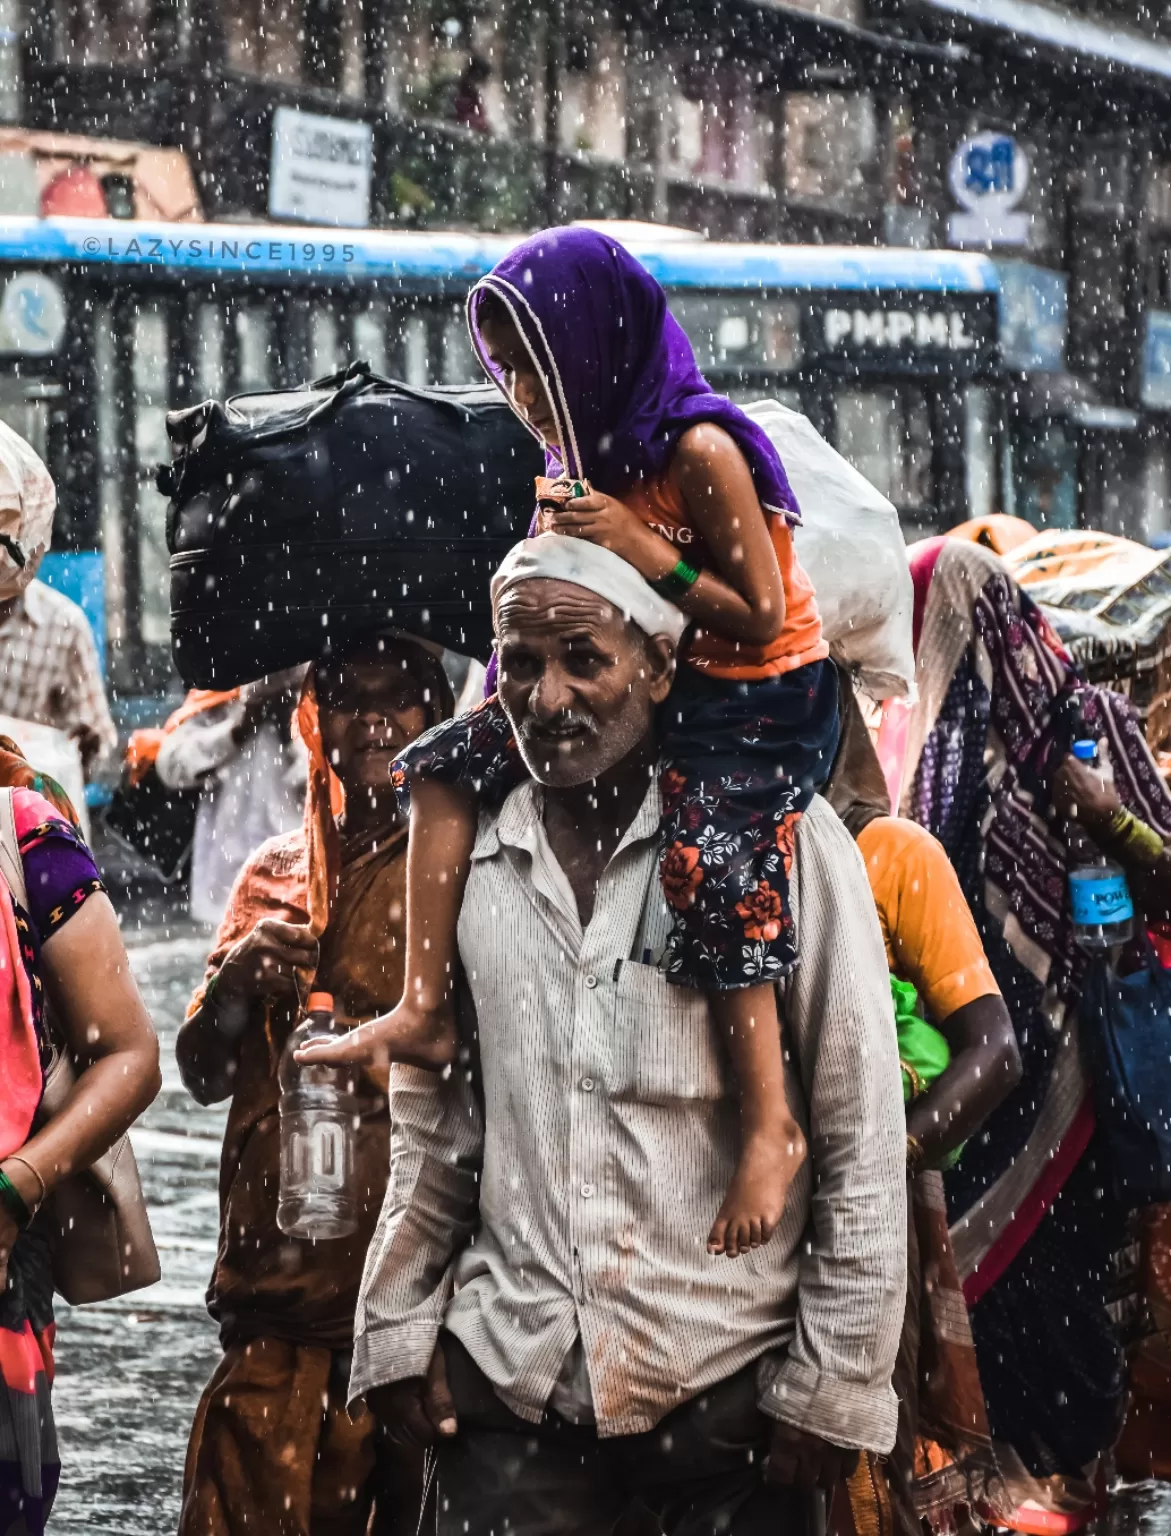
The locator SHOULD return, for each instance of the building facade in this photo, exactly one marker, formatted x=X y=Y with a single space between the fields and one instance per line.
x=1042 y=136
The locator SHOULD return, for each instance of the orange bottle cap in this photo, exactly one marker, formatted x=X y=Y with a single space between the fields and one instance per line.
x=319 y=1002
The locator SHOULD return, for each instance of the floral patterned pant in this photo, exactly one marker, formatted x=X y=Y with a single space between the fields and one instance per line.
x=740 y=764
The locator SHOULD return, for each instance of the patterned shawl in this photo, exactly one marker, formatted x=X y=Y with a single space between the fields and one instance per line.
x=999 y=704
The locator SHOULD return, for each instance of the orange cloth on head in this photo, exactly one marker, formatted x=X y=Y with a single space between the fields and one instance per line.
x=931 y=939
x=660 y=505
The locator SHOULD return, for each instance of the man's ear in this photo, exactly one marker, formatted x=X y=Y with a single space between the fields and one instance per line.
x=660 y=652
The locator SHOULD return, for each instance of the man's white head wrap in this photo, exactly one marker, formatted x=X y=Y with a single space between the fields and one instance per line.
x=28 y=499
x=554 y=557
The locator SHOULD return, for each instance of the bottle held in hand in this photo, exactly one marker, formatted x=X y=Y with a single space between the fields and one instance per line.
x=1103 y=913
x=319 y=1113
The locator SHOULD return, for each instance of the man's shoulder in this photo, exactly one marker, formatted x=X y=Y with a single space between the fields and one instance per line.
x=44 y=605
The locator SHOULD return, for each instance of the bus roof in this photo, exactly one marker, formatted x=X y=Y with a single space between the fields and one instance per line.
x=303 y=252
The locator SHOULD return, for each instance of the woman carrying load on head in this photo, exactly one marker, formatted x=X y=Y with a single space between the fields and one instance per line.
x=960 y=1061
x=1032 y=1227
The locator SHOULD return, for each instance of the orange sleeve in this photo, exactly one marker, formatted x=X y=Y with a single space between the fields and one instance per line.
x=931 y=936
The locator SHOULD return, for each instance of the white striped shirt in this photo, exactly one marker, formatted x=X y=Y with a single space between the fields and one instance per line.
x=576 y=1200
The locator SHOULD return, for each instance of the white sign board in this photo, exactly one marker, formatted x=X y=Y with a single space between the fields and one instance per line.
x=988 y=176
x=32 y=315
x=320 y=169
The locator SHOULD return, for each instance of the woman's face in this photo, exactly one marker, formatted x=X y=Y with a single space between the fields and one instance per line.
x=369 y=711
x=510 y=358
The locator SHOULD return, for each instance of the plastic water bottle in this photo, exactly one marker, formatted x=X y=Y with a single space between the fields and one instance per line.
x=319 y=1114
x=1103 y=913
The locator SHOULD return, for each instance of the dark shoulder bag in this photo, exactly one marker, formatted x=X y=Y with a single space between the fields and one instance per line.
x=1126 y=1043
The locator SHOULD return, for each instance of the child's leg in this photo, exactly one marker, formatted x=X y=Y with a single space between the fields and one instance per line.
x=772 y=1147
x=421 y=1029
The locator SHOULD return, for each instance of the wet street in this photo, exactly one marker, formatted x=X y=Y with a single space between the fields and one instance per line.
x=130 y=1371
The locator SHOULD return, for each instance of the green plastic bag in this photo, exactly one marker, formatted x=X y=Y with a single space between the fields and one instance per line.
x=923 y=1052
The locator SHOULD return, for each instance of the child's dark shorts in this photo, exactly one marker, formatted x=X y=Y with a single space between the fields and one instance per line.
x=741 y=761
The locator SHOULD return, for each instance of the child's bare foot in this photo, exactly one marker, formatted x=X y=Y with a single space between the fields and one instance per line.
x=769 y=1159
x=417 y=1036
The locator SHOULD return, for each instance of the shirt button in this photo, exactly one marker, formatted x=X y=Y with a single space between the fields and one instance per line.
x=587 y=1191
x=587 y=1085
x=591 y=982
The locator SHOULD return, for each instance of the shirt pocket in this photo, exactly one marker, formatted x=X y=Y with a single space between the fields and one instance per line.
x=665 y=1045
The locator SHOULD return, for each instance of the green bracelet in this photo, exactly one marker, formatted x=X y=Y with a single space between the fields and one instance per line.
x=676 y=583
x=13 y=1201
x=1132 y=836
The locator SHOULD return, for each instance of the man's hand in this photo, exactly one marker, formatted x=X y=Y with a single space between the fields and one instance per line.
x=798 y=1458
x=264 y=963
x=87 y=742
x=417 y=1410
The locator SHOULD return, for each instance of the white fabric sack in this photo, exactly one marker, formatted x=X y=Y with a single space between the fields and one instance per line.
x=853 y=551
x=50 y=751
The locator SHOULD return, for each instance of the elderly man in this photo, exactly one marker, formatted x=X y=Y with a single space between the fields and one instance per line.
x=538 y=1299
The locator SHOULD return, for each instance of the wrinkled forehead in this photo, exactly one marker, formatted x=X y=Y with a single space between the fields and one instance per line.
x=544 y=607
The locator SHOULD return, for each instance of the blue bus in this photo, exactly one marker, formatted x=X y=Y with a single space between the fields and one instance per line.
x=105 y=325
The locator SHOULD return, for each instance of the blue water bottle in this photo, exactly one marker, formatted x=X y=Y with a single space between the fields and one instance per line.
x=1099 y=897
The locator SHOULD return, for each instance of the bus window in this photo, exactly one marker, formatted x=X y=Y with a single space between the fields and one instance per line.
x=979 y=451
x=459 y=361
x=1044 y=464
x=210 y=370
x=745 y=394
x=110 y=484
x=415 y=350
x=741 y=332
x=370 y=337
x=255 y=343
x=326 y=353
x=885 y=432
x=149 y=376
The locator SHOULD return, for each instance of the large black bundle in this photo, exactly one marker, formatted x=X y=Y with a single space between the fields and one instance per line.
x=301 y=519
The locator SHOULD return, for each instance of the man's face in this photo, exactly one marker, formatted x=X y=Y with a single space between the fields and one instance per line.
x=370 y=708
x=578 y=682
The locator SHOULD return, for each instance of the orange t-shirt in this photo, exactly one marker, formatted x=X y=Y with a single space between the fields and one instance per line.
x=931 y=937
x=660 y=505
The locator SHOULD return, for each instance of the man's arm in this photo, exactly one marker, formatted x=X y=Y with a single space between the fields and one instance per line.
x=92 y=725
x=429 y=1213
x=203 y=743
x=835 y=1381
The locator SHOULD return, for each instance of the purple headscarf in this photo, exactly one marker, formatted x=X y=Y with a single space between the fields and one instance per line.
x=616 y=365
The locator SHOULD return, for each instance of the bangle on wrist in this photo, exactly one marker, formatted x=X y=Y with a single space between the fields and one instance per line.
x=676 y=583
x=15 y=1157
x=1134 y=838
x=13 y=1202
x=916 y=1156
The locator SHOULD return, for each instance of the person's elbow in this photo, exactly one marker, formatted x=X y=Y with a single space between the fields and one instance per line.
x=207 y=1083
x=765 y=622
x=142 y=1067
x=1007 y=1064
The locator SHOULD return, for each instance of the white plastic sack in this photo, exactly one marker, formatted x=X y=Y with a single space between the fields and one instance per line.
x=50 y=751
x=853 y=550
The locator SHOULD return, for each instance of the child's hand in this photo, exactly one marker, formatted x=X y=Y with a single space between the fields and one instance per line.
x=605 y=521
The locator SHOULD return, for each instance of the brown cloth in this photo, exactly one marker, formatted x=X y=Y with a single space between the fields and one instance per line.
x=274 y=1451
x=272 y=1448
x=264 y=1282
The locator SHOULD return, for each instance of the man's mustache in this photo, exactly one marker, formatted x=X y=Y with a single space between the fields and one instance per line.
x=569 y=723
